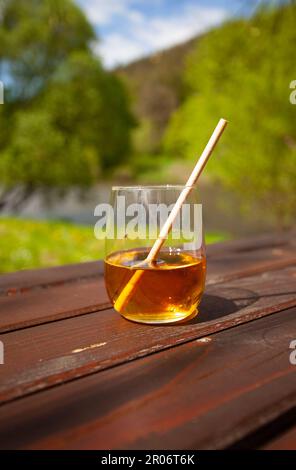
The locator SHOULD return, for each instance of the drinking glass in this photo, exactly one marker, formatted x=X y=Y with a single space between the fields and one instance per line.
x=169 y=288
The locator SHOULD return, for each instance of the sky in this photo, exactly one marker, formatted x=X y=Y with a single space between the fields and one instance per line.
x=130 y=29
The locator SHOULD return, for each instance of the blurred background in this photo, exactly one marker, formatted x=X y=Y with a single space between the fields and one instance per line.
x=97 y=92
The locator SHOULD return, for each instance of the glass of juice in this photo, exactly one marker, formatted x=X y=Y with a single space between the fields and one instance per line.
x=169 y=288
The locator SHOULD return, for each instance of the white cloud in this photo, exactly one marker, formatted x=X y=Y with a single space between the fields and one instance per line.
x=117 y=49
x=101 y=12
x=143 y=35
x=164 y=32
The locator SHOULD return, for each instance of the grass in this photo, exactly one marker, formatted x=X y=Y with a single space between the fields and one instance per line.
x=27 y=244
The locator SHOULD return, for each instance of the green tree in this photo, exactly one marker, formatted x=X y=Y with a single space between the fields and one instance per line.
x=86 y=101
x=242 y=71
x=65 y=121
x=40 y=156
x=35 y=37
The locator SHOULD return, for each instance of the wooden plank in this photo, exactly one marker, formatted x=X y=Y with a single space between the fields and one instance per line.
x=205 y=394
x=224 y=266
x=34 y=306
x=58 y=302
x=268 y=240
x=49 y=354
x=24 y=280
x=287 y=441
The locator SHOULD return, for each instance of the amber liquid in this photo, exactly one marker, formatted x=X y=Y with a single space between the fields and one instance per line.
x=169 y=291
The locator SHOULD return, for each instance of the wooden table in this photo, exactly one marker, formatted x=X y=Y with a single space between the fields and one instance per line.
x=78 y=376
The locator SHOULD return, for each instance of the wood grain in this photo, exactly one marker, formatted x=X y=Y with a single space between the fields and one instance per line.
x=77 y=375
x=54 y=303
x=241 y=258
x=24 y=280
x=256 y=243
x=205 y=394
x=56 y=352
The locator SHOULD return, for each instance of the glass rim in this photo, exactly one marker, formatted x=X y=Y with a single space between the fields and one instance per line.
x=151 y=187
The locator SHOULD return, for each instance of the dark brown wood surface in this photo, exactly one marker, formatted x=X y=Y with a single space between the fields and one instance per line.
x=77 y=375
x=286 y=441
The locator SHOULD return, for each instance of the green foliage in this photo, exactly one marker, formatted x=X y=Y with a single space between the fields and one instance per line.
x=89 y=103
x=65 y=121
x=36 y=36
x=242 y=71
x=27 y=244
x=48 y=160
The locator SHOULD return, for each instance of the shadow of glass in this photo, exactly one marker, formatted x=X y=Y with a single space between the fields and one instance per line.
x=213 y=307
